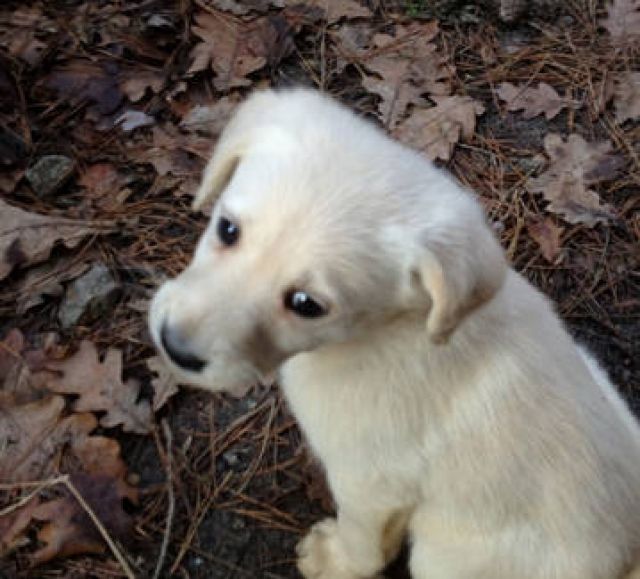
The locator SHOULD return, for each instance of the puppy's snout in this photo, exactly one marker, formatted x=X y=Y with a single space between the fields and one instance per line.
x=178 y=351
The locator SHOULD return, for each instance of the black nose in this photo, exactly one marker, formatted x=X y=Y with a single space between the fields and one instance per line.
x=177 y=352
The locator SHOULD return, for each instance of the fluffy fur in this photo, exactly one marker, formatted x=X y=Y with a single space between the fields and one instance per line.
x=441 y=392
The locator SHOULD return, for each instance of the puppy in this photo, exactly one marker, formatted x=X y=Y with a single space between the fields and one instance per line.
x=439 y=389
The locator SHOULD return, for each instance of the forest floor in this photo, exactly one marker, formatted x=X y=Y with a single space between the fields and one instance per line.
x=108 y=111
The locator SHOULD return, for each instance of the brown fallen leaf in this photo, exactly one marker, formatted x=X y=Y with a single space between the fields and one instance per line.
x=102 y=180
x=38 y=441
x=408 y=67
x=211 y=118
x=21 y=377
x=16 y=381
x=20 y=33
x=534 y=101
x=34 y=435
x=336 y=10
x=100 y=478
x=174 y=153
x=164 y=384
x=352 y=41
x=101 y=456
x=47 y=279
x=242 y=7
x=27 y=238
x=548 y=236
x=627 y=97
x=68 y=529
x=84 y=81
x=14 y=525
x=11 y=355
x=100 y=388
x=435 y=131
x=136 y=83
x=623 y=22
x=234 y=49
x=575 y=165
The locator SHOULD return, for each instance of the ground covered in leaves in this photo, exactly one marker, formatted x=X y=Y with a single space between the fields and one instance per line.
x=108 y=111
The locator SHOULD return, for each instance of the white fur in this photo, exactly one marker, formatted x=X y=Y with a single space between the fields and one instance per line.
x=488 y=435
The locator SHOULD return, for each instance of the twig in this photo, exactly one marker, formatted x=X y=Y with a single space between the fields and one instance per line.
x=66 y=481
x=96 y=521
x=39 y=485
x=172 y=501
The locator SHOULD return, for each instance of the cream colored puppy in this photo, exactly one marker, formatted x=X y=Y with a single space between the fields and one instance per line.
x=439 y=389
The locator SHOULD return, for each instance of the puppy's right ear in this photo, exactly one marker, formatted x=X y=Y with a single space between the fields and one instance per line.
x=239 y=134
x=220 y=169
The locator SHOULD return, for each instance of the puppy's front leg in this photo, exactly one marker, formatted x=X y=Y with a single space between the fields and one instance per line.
x=355 y=545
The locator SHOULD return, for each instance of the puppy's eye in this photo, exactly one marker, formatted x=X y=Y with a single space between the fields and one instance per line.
x=228 y=232
x=303 y=305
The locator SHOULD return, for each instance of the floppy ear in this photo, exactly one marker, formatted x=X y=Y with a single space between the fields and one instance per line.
x=241 y=131
x=219 y=169
x=461 y=266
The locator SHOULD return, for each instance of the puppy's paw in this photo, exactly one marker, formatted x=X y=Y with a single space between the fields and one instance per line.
x=320 y=555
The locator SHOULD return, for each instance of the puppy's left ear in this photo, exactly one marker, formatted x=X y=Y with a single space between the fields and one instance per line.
x=461 y=266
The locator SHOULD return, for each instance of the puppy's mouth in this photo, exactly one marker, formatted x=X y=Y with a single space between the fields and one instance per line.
x=193 y=371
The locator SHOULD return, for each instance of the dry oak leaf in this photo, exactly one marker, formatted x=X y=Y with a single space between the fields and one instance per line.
x=627 y=97
x=575 y=164
x=100 y=477
x=136 y=83
x=174 y=153
x=100 y=388
x=534 y=101
x=234 y=49
x=548 y=236
x=82 y=80
x=164 y=385
x=33 y=437
x=336 y=10
x=47 y=279
x=27 y=238
x=242 y=7
x=19 y=29
x=435 y=131
x=69 y=530
x=209 y=118
x=17 y=385
x=38 y=442
x=100 y=179
x=623 y=22
x=11 y=356
x=407 y=66
x=21 y=378
x=13 y=526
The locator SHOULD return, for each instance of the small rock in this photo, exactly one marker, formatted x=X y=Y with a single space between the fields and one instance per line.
x=49 y=173
x=159 y=21
x=230 y=457
x=92 y=293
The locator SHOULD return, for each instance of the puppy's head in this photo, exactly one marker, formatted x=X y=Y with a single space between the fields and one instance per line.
x=323 y=229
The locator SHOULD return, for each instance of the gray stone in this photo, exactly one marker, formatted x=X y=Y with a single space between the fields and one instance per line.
x=93 y=294
x=49 y=173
